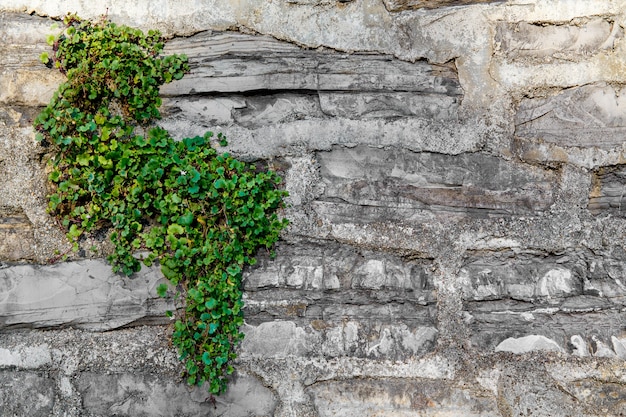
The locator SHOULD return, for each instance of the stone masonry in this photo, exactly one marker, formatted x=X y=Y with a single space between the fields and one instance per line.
x=457 y=202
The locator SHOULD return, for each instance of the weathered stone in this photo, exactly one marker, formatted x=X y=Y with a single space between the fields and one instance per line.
x=586 y=116
x=604 y=398
x=528 y=389
x=546 y=42
x=594 y=324
x=396 y=104
x=146 y=395
x=607 y=194
x=400 y=5
x=26 y=394
x=16 y=235
x=399 y=397
x=85 y=294
x=470 y=184
x=23 y=78
x=521 y=277
x=321 y=265
x=236 y=62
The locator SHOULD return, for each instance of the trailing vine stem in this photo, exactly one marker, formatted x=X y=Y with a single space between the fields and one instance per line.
x=199 y=214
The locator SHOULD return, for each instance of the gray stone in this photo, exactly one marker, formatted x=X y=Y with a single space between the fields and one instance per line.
x=607 y=194
x=26 y=394
x=321 y=265
x=532 y=42
x=85 y=294
x=16 y=235
x=528 y=390
x=521 y=277
x=128 y=394
x=387 y=397
x=384 y=105
x=586 y=116
x=469 y=184
x=235 y=62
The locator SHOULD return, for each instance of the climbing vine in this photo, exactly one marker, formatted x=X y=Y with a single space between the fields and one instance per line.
x=200 y=214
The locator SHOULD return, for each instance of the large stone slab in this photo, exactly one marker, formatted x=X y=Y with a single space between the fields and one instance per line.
x=403 y=184
x=84 y=294
x=126 y=394
x=388 y=397
x=524 y=302
x=586 y=116
x=227 y=62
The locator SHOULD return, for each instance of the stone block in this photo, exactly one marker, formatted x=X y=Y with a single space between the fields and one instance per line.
x=608 y=191
x=537 y=42
x=529 y=390
x=26 y=394
x=396 y=397
x=586 y=116
x=521 y=277
x=323 y=265
x=84 y=294
x=231 y=62
x=17 y=241
x=126 y=394
x=399 y=182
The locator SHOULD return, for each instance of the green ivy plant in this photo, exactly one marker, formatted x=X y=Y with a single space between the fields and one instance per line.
x=200 y=214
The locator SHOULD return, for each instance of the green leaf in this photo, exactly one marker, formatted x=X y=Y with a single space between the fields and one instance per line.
x=162 y=290
x=186 y=219
x=175 y=229
x=84 y=159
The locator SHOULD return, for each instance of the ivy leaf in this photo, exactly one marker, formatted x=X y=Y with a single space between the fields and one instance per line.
x=162 y=290
x=186 y=219
x=175 y=229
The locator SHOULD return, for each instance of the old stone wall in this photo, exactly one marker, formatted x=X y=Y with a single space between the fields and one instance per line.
x=457 y=202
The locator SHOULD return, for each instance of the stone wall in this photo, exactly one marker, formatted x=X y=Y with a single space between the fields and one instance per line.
x=457 y=244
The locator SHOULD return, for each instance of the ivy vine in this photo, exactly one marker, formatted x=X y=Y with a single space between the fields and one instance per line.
x=200 y=214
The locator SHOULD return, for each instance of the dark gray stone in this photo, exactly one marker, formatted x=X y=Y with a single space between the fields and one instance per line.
x=401 y=5
x=401 y=184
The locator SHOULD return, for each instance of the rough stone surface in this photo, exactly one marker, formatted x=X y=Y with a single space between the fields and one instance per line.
x=456 y=241
x=397 y=397
x=26 y=394
x=84 y=294
x=146 y=395
x=585 y=116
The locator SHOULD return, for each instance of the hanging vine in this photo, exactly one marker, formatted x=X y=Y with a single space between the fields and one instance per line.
x=200 y=214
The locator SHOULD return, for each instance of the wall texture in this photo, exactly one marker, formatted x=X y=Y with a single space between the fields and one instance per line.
x=458 y=213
